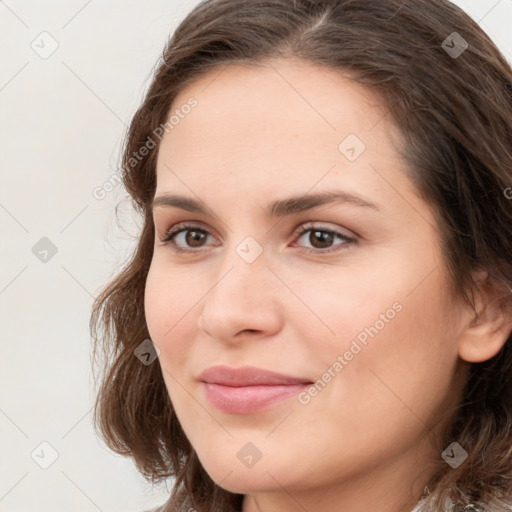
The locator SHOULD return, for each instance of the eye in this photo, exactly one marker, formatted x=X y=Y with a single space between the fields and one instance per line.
x=186 y=234
x=321 y=237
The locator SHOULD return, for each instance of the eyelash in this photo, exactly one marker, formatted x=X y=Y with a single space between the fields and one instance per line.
x=184 y=226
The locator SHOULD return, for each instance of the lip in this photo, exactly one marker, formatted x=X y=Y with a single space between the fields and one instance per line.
x=248 y=389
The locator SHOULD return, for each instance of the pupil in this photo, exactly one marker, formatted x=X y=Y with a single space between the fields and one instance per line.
x=196 y=238
x=322 y=235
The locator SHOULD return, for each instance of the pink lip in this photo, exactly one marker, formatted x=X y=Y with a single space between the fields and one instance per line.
x=247 y=389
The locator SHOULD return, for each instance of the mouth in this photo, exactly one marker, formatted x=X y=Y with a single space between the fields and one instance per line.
x=248 y=389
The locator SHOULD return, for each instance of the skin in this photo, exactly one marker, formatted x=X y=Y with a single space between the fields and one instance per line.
x=365 y=442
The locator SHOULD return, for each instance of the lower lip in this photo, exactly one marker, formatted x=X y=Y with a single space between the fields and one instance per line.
x=249 y=399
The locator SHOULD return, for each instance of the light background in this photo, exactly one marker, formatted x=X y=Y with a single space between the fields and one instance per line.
x=62 y=121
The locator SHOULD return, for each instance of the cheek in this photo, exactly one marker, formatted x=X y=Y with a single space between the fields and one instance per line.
x=390 y=389
x=392 y=340
x=408 y=363
x=169 y=309
x=350 y=310
x=157 y=315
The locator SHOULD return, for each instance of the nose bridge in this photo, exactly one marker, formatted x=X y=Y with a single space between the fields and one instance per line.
x=243 y=267
x=239 y=299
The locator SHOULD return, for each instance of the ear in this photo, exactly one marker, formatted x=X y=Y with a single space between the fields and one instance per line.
x=485 y=334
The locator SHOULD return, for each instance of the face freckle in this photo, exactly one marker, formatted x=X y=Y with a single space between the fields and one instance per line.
x=363 y=331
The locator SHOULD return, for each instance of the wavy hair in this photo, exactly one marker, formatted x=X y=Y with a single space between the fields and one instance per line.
x=455 y=115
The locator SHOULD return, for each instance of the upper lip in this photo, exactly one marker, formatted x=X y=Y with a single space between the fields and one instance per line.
x=248 y=376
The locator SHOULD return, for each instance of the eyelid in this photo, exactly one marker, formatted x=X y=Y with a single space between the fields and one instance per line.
x=322 y=226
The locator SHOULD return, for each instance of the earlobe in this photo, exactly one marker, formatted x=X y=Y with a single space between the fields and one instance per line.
x=486 y=333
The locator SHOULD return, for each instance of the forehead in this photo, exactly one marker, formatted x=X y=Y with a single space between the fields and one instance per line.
x=286 y=121
x=286 y=93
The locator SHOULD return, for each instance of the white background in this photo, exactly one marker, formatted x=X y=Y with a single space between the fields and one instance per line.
x=62 y=120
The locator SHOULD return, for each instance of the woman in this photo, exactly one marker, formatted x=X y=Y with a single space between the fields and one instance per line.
x=318 y=312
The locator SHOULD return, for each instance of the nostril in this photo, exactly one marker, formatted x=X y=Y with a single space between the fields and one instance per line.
x=248 y=331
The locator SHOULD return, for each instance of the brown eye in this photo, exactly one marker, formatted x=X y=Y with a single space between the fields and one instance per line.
x=321 y=240
x=194 y=238
x=185 y=237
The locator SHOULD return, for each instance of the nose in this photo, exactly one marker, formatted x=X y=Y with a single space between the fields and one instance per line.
x=243 y=301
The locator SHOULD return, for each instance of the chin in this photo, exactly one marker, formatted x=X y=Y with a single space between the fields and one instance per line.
x=235 y=477
x=248 y=482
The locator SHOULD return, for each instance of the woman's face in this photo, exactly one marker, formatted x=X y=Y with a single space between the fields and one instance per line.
x=348 y=296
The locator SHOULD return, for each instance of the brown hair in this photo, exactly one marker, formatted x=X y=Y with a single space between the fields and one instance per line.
x=455 y=115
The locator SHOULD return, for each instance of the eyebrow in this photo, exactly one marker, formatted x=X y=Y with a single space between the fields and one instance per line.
x=279 y=208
